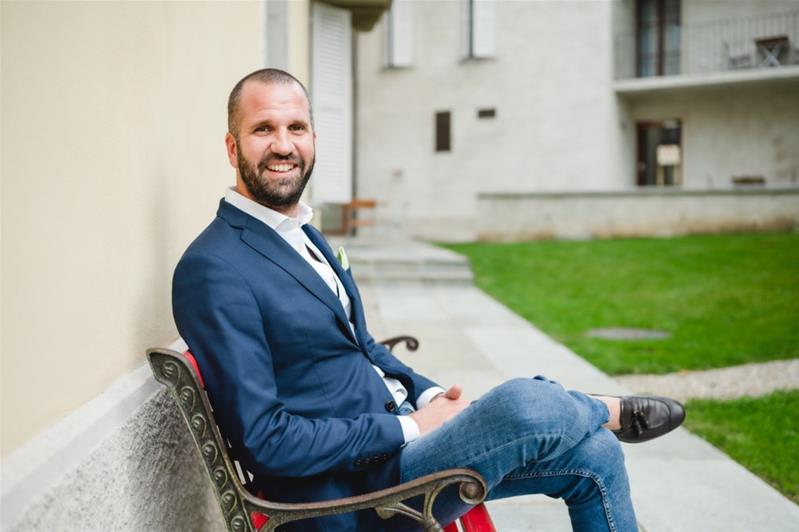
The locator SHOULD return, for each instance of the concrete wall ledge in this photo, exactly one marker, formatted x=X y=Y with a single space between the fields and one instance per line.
x=638 y=212
x=643 y=192
x=639 y=86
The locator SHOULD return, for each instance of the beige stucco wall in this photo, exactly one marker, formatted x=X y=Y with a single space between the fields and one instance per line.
x=113 y=115
x=299 y=37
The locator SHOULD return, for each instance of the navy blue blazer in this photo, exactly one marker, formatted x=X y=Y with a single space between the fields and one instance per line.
x=292 y=388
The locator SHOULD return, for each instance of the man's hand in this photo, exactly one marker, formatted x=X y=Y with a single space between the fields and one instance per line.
x=442 y=408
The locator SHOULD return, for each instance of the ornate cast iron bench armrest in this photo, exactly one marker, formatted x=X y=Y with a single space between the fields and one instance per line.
x=386 y=503
x=411 y=343
x=244 y=512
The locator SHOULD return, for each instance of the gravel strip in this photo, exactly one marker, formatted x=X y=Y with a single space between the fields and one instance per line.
x=725 y=383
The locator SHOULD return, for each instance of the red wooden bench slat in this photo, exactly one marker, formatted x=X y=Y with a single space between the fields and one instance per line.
x=193 y=362
x=477 y=520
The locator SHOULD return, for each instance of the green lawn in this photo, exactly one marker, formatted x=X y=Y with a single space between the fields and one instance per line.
x=725 y=299
x=762 y=434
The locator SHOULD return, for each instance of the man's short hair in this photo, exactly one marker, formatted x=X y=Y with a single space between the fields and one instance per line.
x=267 y=76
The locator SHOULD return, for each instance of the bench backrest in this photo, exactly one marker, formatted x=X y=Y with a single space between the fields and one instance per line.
x=184 y=383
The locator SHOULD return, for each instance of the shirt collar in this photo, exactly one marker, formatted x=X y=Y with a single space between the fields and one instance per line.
x=276 y=220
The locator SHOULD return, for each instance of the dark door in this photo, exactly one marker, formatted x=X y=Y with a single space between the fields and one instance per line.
x=659 y=150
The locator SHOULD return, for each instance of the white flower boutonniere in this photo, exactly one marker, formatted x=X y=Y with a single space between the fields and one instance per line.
x=342 y=258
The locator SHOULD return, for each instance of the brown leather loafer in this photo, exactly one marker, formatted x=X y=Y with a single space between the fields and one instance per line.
x=646 y=417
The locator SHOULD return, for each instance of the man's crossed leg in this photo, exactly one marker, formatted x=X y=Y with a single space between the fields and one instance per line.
x=531 y=436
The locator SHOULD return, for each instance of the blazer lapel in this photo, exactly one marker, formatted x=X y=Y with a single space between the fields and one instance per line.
x=268 y=243
x=345 y=278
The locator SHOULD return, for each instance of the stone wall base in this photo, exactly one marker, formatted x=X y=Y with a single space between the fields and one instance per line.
x=509 y=216
x=144 y=473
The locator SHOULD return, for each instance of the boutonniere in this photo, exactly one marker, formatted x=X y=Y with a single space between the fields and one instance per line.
x=341 y=255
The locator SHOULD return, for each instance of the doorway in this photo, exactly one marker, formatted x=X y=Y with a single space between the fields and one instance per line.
x=659 y=148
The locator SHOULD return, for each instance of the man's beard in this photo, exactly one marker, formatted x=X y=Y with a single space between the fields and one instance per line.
x=285 y=192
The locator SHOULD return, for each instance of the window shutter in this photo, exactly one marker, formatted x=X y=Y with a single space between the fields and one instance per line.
x=399 y=34
x=331 y=90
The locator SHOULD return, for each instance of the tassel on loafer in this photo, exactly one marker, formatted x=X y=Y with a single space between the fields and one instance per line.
x=646 y=417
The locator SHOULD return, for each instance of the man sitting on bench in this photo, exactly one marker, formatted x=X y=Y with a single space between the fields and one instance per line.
x=317 y=410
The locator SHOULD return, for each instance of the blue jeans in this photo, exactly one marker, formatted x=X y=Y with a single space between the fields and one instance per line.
x=531 y=436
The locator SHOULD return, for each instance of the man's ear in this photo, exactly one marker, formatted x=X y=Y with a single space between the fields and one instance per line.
x=230 y=145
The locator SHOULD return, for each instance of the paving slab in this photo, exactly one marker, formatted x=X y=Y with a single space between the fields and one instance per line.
x=679 y=482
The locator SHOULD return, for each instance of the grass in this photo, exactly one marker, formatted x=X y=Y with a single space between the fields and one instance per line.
x=725 y=299
x=759 y=433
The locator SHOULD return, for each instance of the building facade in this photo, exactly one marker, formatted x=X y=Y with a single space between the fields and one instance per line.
x=467 y=108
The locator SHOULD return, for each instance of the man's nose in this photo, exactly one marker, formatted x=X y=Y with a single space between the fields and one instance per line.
x=281 y=144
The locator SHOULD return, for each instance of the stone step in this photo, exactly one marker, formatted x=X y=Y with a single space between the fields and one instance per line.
x=404 y=262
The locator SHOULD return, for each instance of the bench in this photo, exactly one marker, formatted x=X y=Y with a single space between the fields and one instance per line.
x=243 y=510
x=748 y=180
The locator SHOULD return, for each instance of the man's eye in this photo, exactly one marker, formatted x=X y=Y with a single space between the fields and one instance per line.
x=262 y=129
x=297 y=127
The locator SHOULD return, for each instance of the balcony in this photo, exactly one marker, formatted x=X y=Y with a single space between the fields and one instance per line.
x=737 y=50
x=365 y=13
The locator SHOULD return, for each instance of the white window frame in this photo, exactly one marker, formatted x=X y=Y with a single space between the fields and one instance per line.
x=399 y=34
x=479 y=28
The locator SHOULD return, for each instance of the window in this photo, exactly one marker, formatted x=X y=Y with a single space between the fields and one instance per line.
x=479 y=17
x=443 y=131
x=658 y=39
x=399 y=34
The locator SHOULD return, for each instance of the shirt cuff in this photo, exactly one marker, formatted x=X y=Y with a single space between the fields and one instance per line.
x=427 y=396
x=410 y=430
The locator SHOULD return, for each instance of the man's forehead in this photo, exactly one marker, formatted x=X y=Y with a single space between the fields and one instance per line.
x=259 y=98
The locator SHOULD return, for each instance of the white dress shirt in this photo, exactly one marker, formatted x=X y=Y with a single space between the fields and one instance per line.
x=290 y=229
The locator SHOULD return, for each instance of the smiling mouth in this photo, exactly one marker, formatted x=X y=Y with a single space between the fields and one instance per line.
x=281 y=168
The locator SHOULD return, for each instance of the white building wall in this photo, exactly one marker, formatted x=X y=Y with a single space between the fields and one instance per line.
x=557 y=126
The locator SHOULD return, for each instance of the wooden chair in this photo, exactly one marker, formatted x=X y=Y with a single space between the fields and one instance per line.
x=351 y=217
x=243 y=511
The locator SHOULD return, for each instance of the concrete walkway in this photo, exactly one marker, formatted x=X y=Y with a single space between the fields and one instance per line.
x=679 y=482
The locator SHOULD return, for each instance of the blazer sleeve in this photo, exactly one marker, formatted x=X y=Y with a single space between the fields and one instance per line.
x=217 y=314
x=415 y=383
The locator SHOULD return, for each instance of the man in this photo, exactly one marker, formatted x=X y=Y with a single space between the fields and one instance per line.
x=314 y=408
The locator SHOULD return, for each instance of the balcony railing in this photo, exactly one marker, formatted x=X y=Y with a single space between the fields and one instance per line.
x=764 y=41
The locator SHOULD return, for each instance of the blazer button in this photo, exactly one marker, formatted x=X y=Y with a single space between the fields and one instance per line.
x=391 y=406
